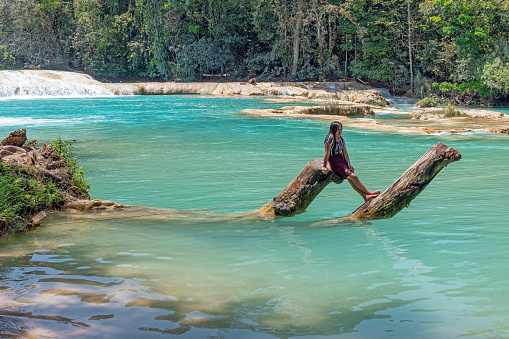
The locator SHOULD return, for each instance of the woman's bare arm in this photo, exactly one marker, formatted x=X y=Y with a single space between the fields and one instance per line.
x=326 y=158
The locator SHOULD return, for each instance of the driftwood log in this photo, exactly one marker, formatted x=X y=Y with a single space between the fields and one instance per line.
x=297 y=196
x=409 y=185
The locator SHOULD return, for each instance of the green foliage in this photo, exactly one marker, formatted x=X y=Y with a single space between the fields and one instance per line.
x=204 y=56
x=465 y=87
x=21 y=197
x=460 y=44
x=63 y=148
x=35 y=34
x=495 y=72
x=377 y=103
x=427 y=102
x=495 y=75
x=449 y=111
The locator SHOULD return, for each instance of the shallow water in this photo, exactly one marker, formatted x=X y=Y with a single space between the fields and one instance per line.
x=437 y=269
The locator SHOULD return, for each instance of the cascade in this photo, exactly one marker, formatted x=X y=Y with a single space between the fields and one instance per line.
x=16 y=84
x=395 y=100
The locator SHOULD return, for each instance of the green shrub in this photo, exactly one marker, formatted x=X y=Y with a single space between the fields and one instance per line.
x=63 y=148
x=427 y=102
x=449 y=111
x=21 y=197
x=25 y=192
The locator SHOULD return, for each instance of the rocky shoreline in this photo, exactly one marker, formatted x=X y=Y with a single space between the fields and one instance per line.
x=43 y=166
x=423 y=121
x=336 y=100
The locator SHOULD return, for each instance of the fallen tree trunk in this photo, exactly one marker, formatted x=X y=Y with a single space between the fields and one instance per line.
x=409 y=185
x=297 y=196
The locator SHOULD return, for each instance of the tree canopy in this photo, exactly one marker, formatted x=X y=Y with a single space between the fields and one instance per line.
x=455 y=47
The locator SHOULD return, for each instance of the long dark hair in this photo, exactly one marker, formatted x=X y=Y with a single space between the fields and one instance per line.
x=334 y=127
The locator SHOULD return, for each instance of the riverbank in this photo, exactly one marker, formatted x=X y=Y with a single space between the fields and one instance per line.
x=34 y=181
x=347 y=99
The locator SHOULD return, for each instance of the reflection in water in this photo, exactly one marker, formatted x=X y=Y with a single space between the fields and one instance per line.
x=265 y=290
x=257 y=277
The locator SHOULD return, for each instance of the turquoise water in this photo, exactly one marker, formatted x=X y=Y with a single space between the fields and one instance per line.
x=437 y=269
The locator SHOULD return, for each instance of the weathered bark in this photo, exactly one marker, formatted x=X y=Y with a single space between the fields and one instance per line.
x=297 y=196
x=409 y=185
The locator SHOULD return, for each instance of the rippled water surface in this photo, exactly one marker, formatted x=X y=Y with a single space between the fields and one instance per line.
x=438 y=269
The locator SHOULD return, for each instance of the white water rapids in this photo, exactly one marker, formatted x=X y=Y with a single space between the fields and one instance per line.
x=25 y=84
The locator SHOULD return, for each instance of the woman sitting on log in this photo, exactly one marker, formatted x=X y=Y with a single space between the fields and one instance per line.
x=337 y=156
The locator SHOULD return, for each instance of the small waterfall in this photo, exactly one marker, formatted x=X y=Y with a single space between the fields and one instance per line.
x=394 y=100
x=35 y=83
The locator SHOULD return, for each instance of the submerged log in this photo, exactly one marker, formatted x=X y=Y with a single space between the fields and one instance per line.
x=409 y=185
x=297 y=196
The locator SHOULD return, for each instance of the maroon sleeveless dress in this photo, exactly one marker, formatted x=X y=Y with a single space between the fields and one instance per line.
x=337 y=160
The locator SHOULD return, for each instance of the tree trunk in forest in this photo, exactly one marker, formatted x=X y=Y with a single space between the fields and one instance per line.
x=299 y=194
x=296 y=42
x=410 y=49
x=346 y=64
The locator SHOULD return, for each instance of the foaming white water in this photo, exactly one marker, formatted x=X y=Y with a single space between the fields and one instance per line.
x=28 y=121
x=15 y=122
x=32 y=84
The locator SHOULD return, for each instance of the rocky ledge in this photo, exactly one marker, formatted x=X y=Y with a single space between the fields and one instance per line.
x=45 y=166
x=61 y=83
x=423 y=121
x=346 y=91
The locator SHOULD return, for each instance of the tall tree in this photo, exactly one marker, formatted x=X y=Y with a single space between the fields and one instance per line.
x=36 y=33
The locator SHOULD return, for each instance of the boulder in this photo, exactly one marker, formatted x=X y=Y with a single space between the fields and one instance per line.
x=16 y=138
x=44 y=160
x=370 y=96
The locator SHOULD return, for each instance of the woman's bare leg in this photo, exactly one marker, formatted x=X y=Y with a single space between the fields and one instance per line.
x=359 y=187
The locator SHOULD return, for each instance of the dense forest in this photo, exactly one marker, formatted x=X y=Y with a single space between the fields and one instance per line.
x=456 y=48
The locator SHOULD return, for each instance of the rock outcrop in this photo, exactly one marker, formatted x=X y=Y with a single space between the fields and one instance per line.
x=305 y=90
x=59 y=83
x=16 y=138
x=45 y=166
x=42 y=160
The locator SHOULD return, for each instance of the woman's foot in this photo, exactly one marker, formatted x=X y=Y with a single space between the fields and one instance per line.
x=368 y=197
